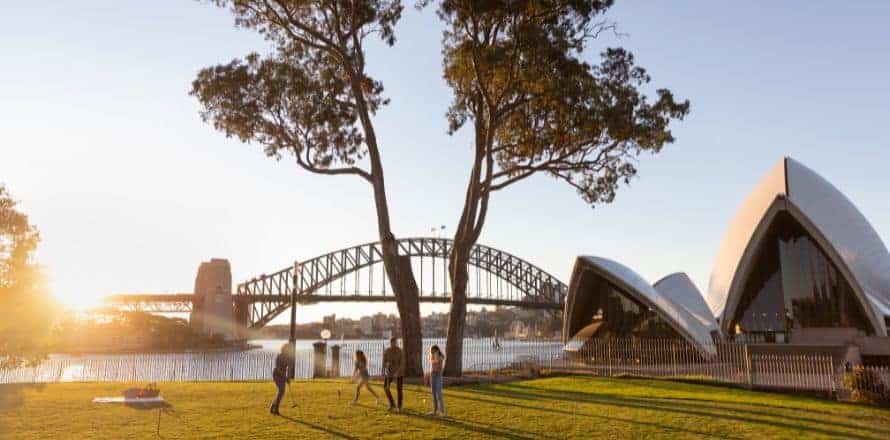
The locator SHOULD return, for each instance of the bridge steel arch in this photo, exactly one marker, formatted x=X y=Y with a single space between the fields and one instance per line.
x=518 y=282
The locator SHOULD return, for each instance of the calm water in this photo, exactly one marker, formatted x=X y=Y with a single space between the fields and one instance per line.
x=479 y=355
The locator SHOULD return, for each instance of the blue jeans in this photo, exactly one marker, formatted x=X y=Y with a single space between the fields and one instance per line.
x=436 y=385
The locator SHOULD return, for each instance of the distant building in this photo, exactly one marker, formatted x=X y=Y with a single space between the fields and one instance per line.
x=366 y=326
x=472 y=319
x=330 y=321
x=518 y=330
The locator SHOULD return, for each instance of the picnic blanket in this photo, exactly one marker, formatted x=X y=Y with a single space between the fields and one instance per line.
x=122 y=399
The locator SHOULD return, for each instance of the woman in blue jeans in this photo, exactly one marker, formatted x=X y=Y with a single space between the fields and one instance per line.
x=437 y=360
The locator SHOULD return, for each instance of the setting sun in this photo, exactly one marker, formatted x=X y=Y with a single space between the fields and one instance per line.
x=77 y=301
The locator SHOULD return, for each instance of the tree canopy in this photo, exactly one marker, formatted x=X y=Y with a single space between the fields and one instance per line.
x=519 y=76
x=24 y=298
x=517 y=71
x=311 y=98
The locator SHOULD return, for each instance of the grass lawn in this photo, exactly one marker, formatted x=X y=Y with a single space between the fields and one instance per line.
x=557 y=407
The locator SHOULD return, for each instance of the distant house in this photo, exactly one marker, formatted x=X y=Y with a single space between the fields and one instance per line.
x=366 y=326
x=518 y=330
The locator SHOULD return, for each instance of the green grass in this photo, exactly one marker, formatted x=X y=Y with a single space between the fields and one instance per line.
x=558 y=407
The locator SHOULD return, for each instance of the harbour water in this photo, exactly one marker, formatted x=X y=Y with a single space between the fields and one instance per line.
x=256 y=364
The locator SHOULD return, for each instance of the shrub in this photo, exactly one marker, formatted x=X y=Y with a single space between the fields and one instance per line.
x=867 y=386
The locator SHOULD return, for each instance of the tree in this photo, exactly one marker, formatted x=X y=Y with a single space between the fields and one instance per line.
x=24 y=299
x=536 y=107
x=312 y=99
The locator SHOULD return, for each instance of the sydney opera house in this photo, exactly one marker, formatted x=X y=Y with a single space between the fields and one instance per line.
x=800 y=269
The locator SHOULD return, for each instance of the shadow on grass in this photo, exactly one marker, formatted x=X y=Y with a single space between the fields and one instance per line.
x=326 y=430
x=513 y=434
x=737 y=406
x=12 y=395
x=144 y=406
x=580 y=414
x=704 y=409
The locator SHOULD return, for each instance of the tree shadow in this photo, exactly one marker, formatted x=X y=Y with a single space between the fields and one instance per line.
x=706 y=410
x=512 y=434
x=589 y=415
x=12 y=395
x=745 y=407
x=730 y=405
x=143 y=406
x=326 y=430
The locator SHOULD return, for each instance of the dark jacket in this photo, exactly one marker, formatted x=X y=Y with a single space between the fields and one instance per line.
x=394 y=362
x=282 y=368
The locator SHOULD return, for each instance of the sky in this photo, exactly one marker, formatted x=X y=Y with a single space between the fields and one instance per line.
x=130 y=190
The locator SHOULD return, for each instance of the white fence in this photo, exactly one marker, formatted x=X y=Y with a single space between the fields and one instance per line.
x=216 y=366
x=480 y=355
x=659 y=358
x=733 y=363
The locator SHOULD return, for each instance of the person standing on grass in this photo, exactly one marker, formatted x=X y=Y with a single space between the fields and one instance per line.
x=281 y=374
x=393 y=368
x=437 y=360
x=360 y=375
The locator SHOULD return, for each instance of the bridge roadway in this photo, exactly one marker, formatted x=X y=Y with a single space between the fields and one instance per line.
x=182 y=302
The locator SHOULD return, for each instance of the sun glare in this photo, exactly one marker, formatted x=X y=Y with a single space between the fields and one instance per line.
x=77 y=302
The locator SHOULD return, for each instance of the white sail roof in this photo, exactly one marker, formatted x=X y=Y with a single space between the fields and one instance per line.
x=677 y=316
x=678 y=288
x=827 y=213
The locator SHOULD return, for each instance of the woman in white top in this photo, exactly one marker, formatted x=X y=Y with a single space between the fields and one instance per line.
x=437 y=360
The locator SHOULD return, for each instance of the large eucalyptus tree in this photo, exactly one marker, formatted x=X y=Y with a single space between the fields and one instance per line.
x=519 y=78
x=312 y=100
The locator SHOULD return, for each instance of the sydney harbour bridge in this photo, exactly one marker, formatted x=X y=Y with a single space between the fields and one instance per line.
x=356 y=274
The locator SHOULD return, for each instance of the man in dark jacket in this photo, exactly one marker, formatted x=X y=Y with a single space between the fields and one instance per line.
x=393 y=368
x=281 y=374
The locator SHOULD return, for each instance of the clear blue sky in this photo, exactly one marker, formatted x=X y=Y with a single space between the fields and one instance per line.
x=131 y=191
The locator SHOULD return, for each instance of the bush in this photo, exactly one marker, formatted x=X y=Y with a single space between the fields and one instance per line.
x=866 y=386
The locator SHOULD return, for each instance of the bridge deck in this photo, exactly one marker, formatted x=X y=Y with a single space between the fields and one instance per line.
x=172 y=299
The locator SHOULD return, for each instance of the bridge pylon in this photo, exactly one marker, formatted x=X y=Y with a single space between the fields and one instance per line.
x=213 y=311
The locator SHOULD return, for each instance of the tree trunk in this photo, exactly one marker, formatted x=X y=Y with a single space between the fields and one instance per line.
x=404 y=286
x=464 y=239
x=454 y=340
x=398 y=267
